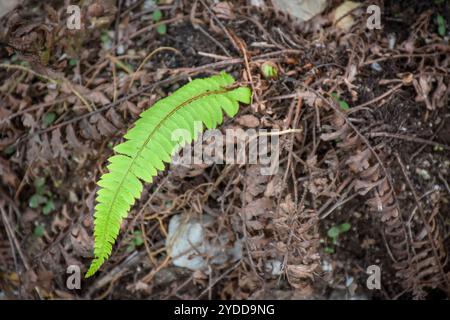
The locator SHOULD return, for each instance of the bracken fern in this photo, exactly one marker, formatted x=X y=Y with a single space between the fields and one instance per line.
x=149 y=144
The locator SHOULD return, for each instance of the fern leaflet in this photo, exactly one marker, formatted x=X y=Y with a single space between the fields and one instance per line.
x=149 y=145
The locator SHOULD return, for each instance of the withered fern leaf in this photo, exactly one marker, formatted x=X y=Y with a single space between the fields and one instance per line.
x=149 y=144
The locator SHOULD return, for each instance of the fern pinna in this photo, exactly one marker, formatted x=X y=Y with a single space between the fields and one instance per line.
x=149 y=144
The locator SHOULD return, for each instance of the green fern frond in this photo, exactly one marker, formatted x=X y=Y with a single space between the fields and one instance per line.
x=149 y=145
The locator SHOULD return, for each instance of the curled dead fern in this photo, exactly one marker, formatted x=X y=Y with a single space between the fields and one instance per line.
x=149 y=144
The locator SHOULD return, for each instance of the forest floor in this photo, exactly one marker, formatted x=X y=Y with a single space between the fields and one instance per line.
x=364 y=151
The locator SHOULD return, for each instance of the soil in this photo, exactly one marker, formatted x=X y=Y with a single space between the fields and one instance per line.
x=385 y=172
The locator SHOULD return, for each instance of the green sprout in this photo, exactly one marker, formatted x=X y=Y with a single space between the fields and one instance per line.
x=39 y=231
x=269 y=70
x=156 y=17
x=42 y=198
x=73 y=62
x=342 y=103
x=333 y=233
x=106 y=40
x=136 y=241
x=48 y=119
x=438 y=148
x=9 y=150
x=441 y=25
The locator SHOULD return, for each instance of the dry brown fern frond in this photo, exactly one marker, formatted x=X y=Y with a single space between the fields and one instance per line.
x=417 y=265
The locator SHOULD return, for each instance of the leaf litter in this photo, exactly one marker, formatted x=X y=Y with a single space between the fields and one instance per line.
x=371 y=107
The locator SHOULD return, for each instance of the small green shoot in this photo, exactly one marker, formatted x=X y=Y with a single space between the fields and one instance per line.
x=136 y=241
x=156 y=17
x=335 y=231
x=329 y=250
x=106 y=40
x=48 y=119
x=442 y=31
x=438 y=148
x=36 y=201
x=342 y=103
x=73 y=62
x=48 y=207
x=42 y=198
x=39 y=231
x=9 y=150
x=269 y=70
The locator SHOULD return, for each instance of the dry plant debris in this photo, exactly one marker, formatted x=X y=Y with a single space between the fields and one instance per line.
x=364 y=126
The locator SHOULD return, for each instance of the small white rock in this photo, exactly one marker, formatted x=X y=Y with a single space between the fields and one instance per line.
x=348 y=281
x=188 y=247
x=120 y=49
x=275 y=267
x=326 y=266
x=376 y=67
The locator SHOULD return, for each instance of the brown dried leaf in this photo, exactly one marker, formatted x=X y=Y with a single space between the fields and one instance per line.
x=57 y=145
x=364 y=186
x=335 y=134
x=440 y=96
x=224 y=10
x=28 y=121
x=104 y=126
x=288 y=205
x=249 y=121
x=423 y=90
x=301 y=271
x=81 y=242
x=255 y=182
x=258 y=207
x=98 y=98
x=88 y=131
x=360 y=161
x=274 y=187
x=115 y=119
x=73 y=141
x=254 y=225
x=7 y=175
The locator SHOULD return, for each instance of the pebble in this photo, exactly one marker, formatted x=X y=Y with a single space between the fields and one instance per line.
x=376 y=67
x=188 y=247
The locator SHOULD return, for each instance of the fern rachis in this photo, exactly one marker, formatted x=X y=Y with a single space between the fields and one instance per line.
x=148 y=145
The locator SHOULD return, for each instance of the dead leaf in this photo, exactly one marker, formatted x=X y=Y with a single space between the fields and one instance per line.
x=255 y=182
x=274 y=187
x=224 y=10
x=249 y=121
x=254 y=225
x=423 y=89
x=89 y=131
x=302 y=10
x=360 y=161
x=440 y=95
x=288 y=205
x=7 y=175
x=342 y=17
x=81 y=242
x=57 y=145
x=258 y=207
x=73 y=140
x=28 y=121
x=317 y=185
x=301 y=271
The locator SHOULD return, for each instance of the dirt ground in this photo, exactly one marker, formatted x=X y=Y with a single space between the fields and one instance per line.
x=364 y=149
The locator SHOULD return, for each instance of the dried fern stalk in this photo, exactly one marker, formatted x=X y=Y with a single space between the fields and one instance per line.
x=149 y=144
